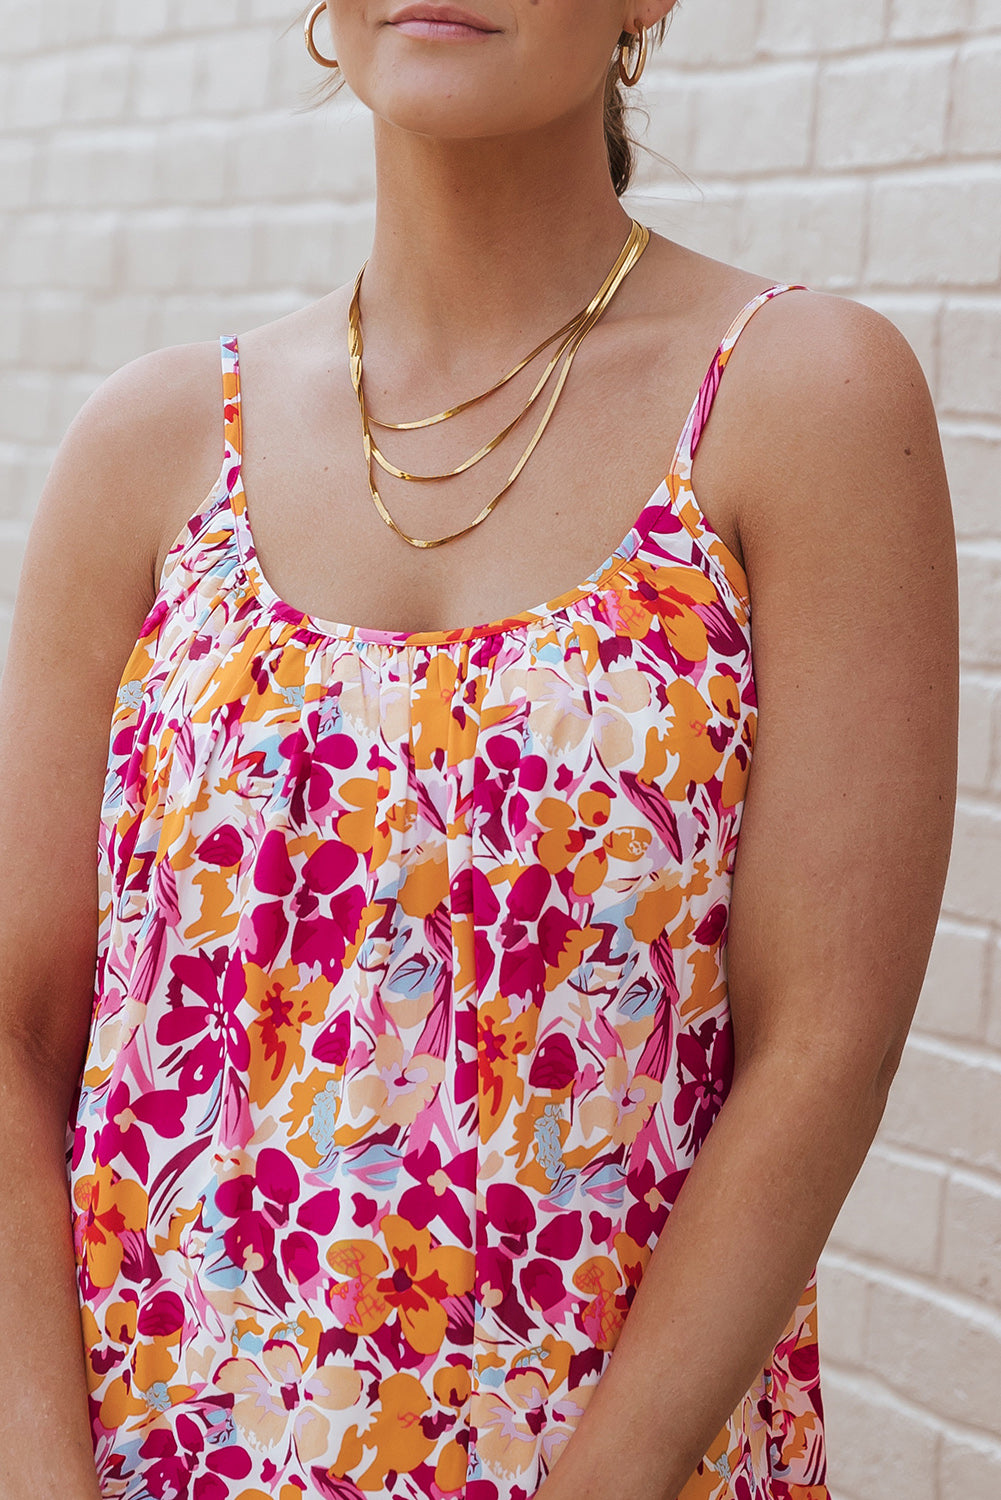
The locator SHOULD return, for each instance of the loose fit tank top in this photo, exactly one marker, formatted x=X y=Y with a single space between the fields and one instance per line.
x=410 y=1019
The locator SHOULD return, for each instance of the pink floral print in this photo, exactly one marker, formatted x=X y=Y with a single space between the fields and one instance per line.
x=410 y=1020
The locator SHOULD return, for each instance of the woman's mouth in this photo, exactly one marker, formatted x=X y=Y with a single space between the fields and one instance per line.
x=444 y=23
x=441 y=30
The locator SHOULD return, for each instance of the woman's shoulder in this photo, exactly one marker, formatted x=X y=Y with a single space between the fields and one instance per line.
x=165 y=388
x=817 y=383
x=800 y=350
x=146 y=444
x=827 y=337
x=826 y=386
x=832 y=450
x=809 y=323
x=162 y=410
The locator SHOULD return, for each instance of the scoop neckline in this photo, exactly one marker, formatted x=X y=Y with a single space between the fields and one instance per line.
x=718 y=555
x=539 y=614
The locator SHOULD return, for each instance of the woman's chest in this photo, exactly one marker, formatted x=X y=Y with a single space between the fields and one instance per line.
x=528 y=521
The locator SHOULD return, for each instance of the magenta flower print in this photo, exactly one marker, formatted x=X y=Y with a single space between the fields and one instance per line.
x=705 y=1068
x=319 y=904
x=201 y=1028
x=131 y=1117
x=441 y=1190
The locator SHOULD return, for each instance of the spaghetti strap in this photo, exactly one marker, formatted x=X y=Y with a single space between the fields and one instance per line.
x=196 y=547
x=232 y=415
x=684 y=504
x=698 y=416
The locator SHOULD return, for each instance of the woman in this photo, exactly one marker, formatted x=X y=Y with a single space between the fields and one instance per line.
x=443 y=1040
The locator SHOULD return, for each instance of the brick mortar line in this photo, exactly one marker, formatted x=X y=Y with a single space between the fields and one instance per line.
x=971 y=1054
x=977 y=664
x=939 y=163
x=970 y=302
x=989 y=680
x=993 y=930
x=989 y=547
x=933 y=1036
x=970 y=546
x=225 y=213
x=988 y=1187
x=886 y=48
x=977 y=801
x=922 y=1286
x=956 y=1164
x=981 y=427
x=173 y=36
x=879 y=1391
x=913 y=1158
x=890 y=1270
x=974 y=166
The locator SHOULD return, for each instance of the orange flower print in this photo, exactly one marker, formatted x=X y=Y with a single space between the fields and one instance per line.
x=110 y=1206
x=627 y=614
x=395 y=1436
x=561 y=840
x=451 y=1385
x=606 y=1310
x=416 y=1278
x=423 y=1276
x=723 y=1459
x=284 y=1007
x=148 y=1388
x=503 y=1039
x=358 y=829
x=356 y=1301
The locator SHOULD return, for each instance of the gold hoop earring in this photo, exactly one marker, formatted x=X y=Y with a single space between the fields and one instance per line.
x=311 y=47
x=634 y=77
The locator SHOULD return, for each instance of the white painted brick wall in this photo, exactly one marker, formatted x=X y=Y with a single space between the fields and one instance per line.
x=157 y=184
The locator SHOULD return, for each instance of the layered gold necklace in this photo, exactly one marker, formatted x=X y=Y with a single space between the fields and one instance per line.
x=569 y=337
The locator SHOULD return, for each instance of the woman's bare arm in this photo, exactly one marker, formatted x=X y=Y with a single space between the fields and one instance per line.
x=149 y=436
x=847 y=535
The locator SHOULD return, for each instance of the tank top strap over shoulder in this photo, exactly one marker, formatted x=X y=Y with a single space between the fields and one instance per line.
x=698 y=416
x=205 y=540
x=683 y=505
x=232 y=414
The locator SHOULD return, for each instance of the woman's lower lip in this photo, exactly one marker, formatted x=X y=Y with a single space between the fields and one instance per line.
x=442 y=31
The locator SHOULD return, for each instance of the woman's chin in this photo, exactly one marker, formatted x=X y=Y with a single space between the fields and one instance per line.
x=447 y=112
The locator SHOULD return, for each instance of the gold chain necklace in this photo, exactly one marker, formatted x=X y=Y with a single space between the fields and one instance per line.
x=571 y=336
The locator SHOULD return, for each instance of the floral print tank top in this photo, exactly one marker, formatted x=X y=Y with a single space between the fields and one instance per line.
x=410 y=1019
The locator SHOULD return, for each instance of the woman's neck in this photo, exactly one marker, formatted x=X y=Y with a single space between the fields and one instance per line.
x=482 y=247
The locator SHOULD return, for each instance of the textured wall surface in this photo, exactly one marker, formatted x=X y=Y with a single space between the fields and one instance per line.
x=854 y=146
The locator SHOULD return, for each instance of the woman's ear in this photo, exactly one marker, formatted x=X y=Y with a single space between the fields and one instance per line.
x=648 y=14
